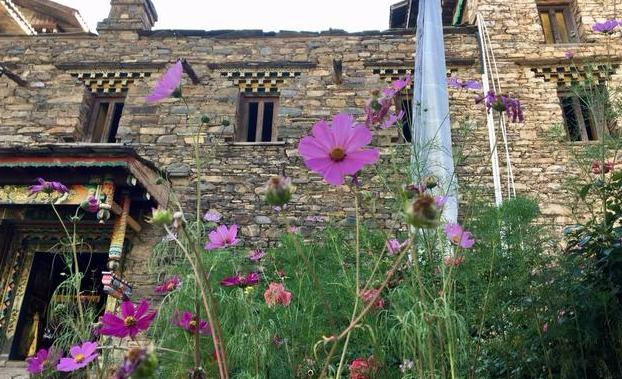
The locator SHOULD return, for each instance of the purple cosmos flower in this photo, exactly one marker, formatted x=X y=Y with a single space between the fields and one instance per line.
x=132 y=321
x=222 y=237
x=337 y=150
x=48 y=187
x=459 y=236
x=377 y=109
x=169 y=285
x=440 y=201
x=81 y=356
x=212 y=216
x=464 y=84
x=392 y=119
x=256 y=255
x=607 y=27
x=394 y=246
x=41 y=361
x=168 y=83
x=401 y=83
x=503 y=103
x=238 y=280
x=91 y=204
x=191 y=323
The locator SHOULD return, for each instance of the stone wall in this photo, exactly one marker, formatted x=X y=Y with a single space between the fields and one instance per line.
x=52 y=107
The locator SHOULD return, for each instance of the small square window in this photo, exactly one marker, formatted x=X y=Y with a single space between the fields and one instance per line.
x=104 y=119
x=257 y=119
x=581 y=117
x=403 y=102
x=557 y=22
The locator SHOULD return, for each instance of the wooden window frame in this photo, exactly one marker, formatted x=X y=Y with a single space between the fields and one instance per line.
x=580 y=117
x=551 y=8
x=243 y=113
x=112 y=100
x=399 y=99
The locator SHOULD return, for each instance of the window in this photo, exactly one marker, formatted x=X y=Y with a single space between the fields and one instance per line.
x=581 y=118
x=403 y=102
x=104 y=119
x=557 y=22
x=257 y=118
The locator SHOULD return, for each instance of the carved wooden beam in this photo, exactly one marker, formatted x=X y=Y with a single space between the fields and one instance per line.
x=131 y=222
x=190 y=71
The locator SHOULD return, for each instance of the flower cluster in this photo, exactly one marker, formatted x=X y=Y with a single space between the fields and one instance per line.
x=277 y=294
x=599 y=167
x=503 y=103
x=377 y=110
x=373 y=295
x=363 y=368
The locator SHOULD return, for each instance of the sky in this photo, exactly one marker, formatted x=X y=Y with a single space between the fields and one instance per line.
x=269 y=15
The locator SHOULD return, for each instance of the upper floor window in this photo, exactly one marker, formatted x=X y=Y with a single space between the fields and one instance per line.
x=403 y=102
x=583 y=117
x=257 y=118
x=105 y=115
x=557 y=22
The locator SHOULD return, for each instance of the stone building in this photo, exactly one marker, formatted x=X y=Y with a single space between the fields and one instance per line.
x=72 y=109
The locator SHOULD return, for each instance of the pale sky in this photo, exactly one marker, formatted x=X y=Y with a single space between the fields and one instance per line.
x=269 y=15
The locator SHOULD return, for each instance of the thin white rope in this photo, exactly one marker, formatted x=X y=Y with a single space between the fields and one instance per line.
x=490 y=121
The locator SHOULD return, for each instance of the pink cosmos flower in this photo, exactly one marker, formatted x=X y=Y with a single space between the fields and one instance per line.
x=168 y=83
x=277 y=294
x=222 y=237
x=394 y=246
x=256 y=255
x=169 y=285
x=363 y=368
x=459 y=236
x=337 y=150
x=48 y=187
x=81 y=356
x=440 y=201
x=191 y=323
x=368 y=296
x=607 y=27
x=392 y=119
x=251 y=279
x=132 y=321
x=212 y=216
x=41 y=361
x=569 y=54
x=401 y=83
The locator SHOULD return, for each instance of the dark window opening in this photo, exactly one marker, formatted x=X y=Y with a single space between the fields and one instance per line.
x=257 y=118
x=558 y=23
x=403 y=103
x=582 y=118
x=36 y=328
x=105 y=117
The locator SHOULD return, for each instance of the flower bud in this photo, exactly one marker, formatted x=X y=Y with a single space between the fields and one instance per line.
x=205 y=119
x=278 y=190
x=422 y=212
x=160 y=217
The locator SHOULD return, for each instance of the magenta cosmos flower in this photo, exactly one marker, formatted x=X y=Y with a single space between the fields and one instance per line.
x=48 y=187
x=454 y=82
x=41 y=361
x=337 y=150
x=394 y=246
x=277 y=294
x=191 y=323
x=169 y=285
x=81 y=356
x=459 y=236
x=392 y=119
x=212 y=216
x=256 y=255
x=91 y=204
x=238 y=280
x=222 y=237
x=132 y=321
x=168 y=83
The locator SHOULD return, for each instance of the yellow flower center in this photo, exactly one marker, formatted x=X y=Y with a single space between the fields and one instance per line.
x=193 y=324
x=79 y=358
x=337 y=154
x=129 y=321
x=456 y=239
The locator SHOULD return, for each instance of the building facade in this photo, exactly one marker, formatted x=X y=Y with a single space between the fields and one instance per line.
x=72 y=108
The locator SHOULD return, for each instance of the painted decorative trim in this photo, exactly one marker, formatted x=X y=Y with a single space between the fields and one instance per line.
x=109 y=81
x=568 y=75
